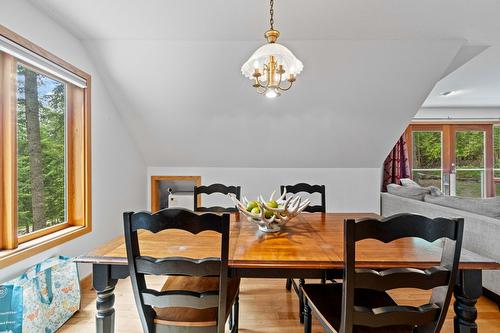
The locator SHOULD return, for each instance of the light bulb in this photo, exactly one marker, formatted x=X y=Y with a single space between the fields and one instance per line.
x=272 y=93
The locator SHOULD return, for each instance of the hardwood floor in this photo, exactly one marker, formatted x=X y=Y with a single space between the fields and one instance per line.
x=265 y=306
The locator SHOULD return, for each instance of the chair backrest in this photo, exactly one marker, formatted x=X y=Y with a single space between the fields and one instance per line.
x=303 y=187
x=139 y=266
x=425 y=318
x=215 y=188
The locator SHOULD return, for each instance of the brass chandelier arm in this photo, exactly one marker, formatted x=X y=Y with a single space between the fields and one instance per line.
x=279 y=79
x=264 y=84
x=263 y=91
x=287 y=88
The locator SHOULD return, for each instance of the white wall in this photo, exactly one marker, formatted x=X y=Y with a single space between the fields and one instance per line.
x=118 y=169
x=347 y=190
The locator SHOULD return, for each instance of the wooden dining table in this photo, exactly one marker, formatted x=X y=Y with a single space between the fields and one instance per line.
x=309 y=246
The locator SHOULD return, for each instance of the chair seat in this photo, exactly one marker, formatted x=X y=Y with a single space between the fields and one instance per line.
x=326 y=300
x=177 y=316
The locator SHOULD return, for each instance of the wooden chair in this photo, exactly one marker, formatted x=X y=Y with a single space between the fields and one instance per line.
x=215 y=188
x=361 y=304
x=198 y=294
x=293 y=189
x=303 y=187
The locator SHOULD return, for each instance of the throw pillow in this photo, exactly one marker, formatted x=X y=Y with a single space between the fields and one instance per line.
x=408 y=182
x=411 y=192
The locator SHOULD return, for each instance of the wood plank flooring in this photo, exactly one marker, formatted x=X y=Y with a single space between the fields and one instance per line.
x=265 y=306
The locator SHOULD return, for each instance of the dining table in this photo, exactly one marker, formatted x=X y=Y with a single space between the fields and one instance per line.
x=310 y=246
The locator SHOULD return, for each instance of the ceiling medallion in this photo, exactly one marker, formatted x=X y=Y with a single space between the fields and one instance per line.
x=273 y=68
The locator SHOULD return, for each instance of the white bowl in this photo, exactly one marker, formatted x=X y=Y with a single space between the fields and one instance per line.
x=287 y=209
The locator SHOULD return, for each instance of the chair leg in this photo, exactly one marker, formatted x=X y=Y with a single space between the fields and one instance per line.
x=307 y=318
x=288 y=284
x=301 y=301
x=235 y=314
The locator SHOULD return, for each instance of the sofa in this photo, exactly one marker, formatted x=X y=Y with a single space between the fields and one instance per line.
x=481 y=233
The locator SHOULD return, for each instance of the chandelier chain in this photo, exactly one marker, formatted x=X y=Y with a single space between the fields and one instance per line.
x=271 y=12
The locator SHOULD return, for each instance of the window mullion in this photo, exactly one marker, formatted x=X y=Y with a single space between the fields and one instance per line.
x=8 y=161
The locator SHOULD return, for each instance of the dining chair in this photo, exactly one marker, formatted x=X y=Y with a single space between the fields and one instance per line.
x=216 y=188
x=311 y=189
x=198 y=294
x=361 y=304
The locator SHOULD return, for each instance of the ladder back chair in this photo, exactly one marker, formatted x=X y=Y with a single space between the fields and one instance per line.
x=198 y=294
x=360 y=303
x=311 y=189
x=216 y=188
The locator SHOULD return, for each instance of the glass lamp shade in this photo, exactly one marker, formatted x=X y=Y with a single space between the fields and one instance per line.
x=283 y=56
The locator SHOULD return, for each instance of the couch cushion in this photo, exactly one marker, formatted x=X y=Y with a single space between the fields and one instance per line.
x=487 y=207
x=411 y=192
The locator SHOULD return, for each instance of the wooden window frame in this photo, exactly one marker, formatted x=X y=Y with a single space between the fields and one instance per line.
x=495 y=179
x=155 y=183
x=78 y=160
x=447 y=129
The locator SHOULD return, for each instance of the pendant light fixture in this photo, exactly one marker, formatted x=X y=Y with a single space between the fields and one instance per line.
x=272 y=68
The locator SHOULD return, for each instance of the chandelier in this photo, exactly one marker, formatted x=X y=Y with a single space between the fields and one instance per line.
x=272 y=68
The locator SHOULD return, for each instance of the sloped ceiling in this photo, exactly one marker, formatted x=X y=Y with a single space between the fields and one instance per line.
x=476 y=84
x=172 y=68
x=200 y=111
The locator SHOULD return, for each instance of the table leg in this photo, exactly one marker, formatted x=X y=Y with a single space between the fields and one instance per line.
x=104 y=285
x=467 y=291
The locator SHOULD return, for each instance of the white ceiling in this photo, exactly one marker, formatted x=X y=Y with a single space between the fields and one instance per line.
x=239 y=20
x=172 y=68
x=477 y=84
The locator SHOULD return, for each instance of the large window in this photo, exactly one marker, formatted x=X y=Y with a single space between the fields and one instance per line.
x=44 y=148
x=458 y=158
x=41 y=171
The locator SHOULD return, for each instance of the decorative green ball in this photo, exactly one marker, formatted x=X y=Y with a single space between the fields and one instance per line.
x=251 y=205
x=272 y=204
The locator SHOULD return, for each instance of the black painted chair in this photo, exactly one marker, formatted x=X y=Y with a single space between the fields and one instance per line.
x=311 y=189
x=361 y=304
x=216 y=188
x=198 y=293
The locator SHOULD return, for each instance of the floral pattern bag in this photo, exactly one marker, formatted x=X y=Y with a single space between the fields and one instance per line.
x=11 y=308
x=50 y=293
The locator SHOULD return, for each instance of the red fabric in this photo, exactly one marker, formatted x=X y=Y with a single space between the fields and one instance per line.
x=396 y=165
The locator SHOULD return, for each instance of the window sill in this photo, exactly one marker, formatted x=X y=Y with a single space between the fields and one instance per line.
x=40 y=244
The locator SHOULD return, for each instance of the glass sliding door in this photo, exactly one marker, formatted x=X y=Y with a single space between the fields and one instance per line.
x=427 y=161
x=470 y=171
x=496 y=158
x=460 y=159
